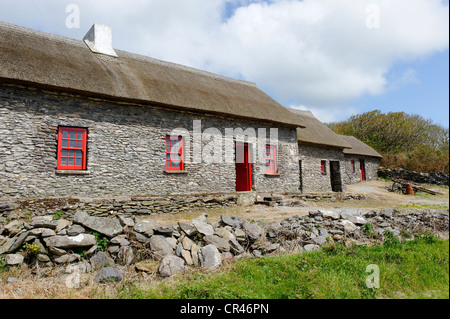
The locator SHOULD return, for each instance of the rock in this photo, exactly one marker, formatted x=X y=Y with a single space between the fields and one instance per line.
x=6 y=207
x=66 y=259
x=82 y=240
x=14 y=259
x=272 y=248
x=146 y=227
x=170 y=265
x=195 y=250
x=109 y=274
x=224 y=233
x=252 y=230
x=348 y=226
x=187 y=243
x=160 y=246
x=62 y=224
x=126 y=221
x=210 y=257
x=221 y=243
x=187 y=257
x=311 y=247
x=100 y=260
x=125 y=256
x=43 y=222
x=357 y=220
x=234 y=222
x=172 y=241
x=317 y=213
x=107 y=226
x=235 y=247
x=56 y=251
x=203 y=228
x=179 y=248
x=48 y=233
x=188 y=229
x=14 y=227
x=240 y=235
x=320 y=240
x=75 y=230
x=387 y=212
x=118 y=240
x=165 y=231
x=142 y=238
x=323 y=232
x=43 y=258
x=16 y=242
x=330 y=214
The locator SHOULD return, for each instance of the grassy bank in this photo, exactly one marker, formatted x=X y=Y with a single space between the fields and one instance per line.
x=415 y=269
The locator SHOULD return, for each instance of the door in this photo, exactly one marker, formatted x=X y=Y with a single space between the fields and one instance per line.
x=335 y=175
x=362 y=168
x=301 y=175
x=243 y=168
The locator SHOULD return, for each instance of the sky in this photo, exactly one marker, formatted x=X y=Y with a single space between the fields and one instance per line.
x=333 y=57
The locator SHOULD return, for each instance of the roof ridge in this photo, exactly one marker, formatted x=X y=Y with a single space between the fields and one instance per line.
x=128 y=54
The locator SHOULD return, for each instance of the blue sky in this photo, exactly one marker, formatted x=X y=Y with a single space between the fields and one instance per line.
x=336 y=58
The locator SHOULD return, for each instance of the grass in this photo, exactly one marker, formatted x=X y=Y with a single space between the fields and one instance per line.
x=414 y=269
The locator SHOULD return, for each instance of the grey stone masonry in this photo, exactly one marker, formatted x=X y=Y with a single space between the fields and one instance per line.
x=370 y=164
x=126 y=150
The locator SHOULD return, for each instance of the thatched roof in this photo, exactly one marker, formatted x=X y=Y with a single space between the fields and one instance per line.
x=315 y=132
x=359 y=147
x=50 y=61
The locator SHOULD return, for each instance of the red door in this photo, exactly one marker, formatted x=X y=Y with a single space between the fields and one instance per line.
x=243 y=168
x=362 y=168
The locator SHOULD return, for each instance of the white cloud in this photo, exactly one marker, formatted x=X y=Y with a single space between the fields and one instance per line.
x=319 y=53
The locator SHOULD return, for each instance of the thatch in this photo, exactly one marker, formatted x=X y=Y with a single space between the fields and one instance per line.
x=359 y=147
x=50 y=61
x=315 y=132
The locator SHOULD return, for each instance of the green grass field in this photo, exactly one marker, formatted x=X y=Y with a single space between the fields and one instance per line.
x=414 y=269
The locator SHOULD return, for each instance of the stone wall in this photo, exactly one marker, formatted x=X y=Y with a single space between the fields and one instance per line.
x=313 y=179
x=426 y=178
x=371 y=168
x=125 y=149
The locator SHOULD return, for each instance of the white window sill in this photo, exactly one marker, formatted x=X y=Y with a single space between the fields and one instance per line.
x=175 y=172
x=272 y=174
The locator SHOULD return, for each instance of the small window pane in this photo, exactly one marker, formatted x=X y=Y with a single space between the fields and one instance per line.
x=65 y=143
x=71 y=161
x=72 y=135
x=71 y=153
x=78 y=162
x=79 y=135
x=65 y=134
x=64 y=161
x=72 y=144
x=63 y=152
x=78 y=153
x=79 y=144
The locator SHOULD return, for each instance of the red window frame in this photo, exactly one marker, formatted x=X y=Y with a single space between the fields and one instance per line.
x=353 y=165
x=174 y=153
x=270 y=157
x=72 y=146
x=323 y=166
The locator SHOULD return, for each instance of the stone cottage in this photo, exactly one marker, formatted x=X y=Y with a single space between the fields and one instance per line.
x=78 y=118
x=361 y=161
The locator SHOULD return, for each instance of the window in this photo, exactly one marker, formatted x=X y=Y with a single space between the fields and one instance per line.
x=353 y=165
x=323 y=165
x=174 y=153
x=271 y=159
x=72 y=148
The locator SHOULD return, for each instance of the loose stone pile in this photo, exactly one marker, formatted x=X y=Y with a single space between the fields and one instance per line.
x=89 y=243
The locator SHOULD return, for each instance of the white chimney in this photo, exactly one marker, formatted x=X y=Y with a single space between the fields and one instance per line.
x=99 y=40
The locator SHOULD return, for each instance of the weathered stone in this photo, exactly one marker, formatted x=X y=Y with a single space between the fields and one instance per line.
x=311 y=247
x=100 y=259
x=235 y=247
x=187 y=243
x=126 y=221
x=16 y=242
x=320 y=240
x=75 y=230
x=62 y=224
x=224 y=233
x=234 y=222
x=178 y=249
x=160 y=246
x=203 y=228
x=165 y=231
x=188 y=229
x=272 y=248
x=170 y=265
x=330 y=214
x=221 y=243
x=107 y=226
x=43 y=258
x=187 y=257
x=210 y=257
x=348 y=226
x=357 y=220
x=125 y=256
x=240 y=235
x=252 y=230
x=108 y=275
x=43 y=222
x=14 y=227
x=66 y=259
x=195 y=250
x=145 y=226
x=148 y=265
x=82 y=240
x=5 y=207
x=14 y=259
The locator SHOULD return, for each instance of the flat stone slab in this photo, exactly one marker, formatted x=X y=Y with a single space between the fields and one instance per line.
x=110 y=227
x=81 y=240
